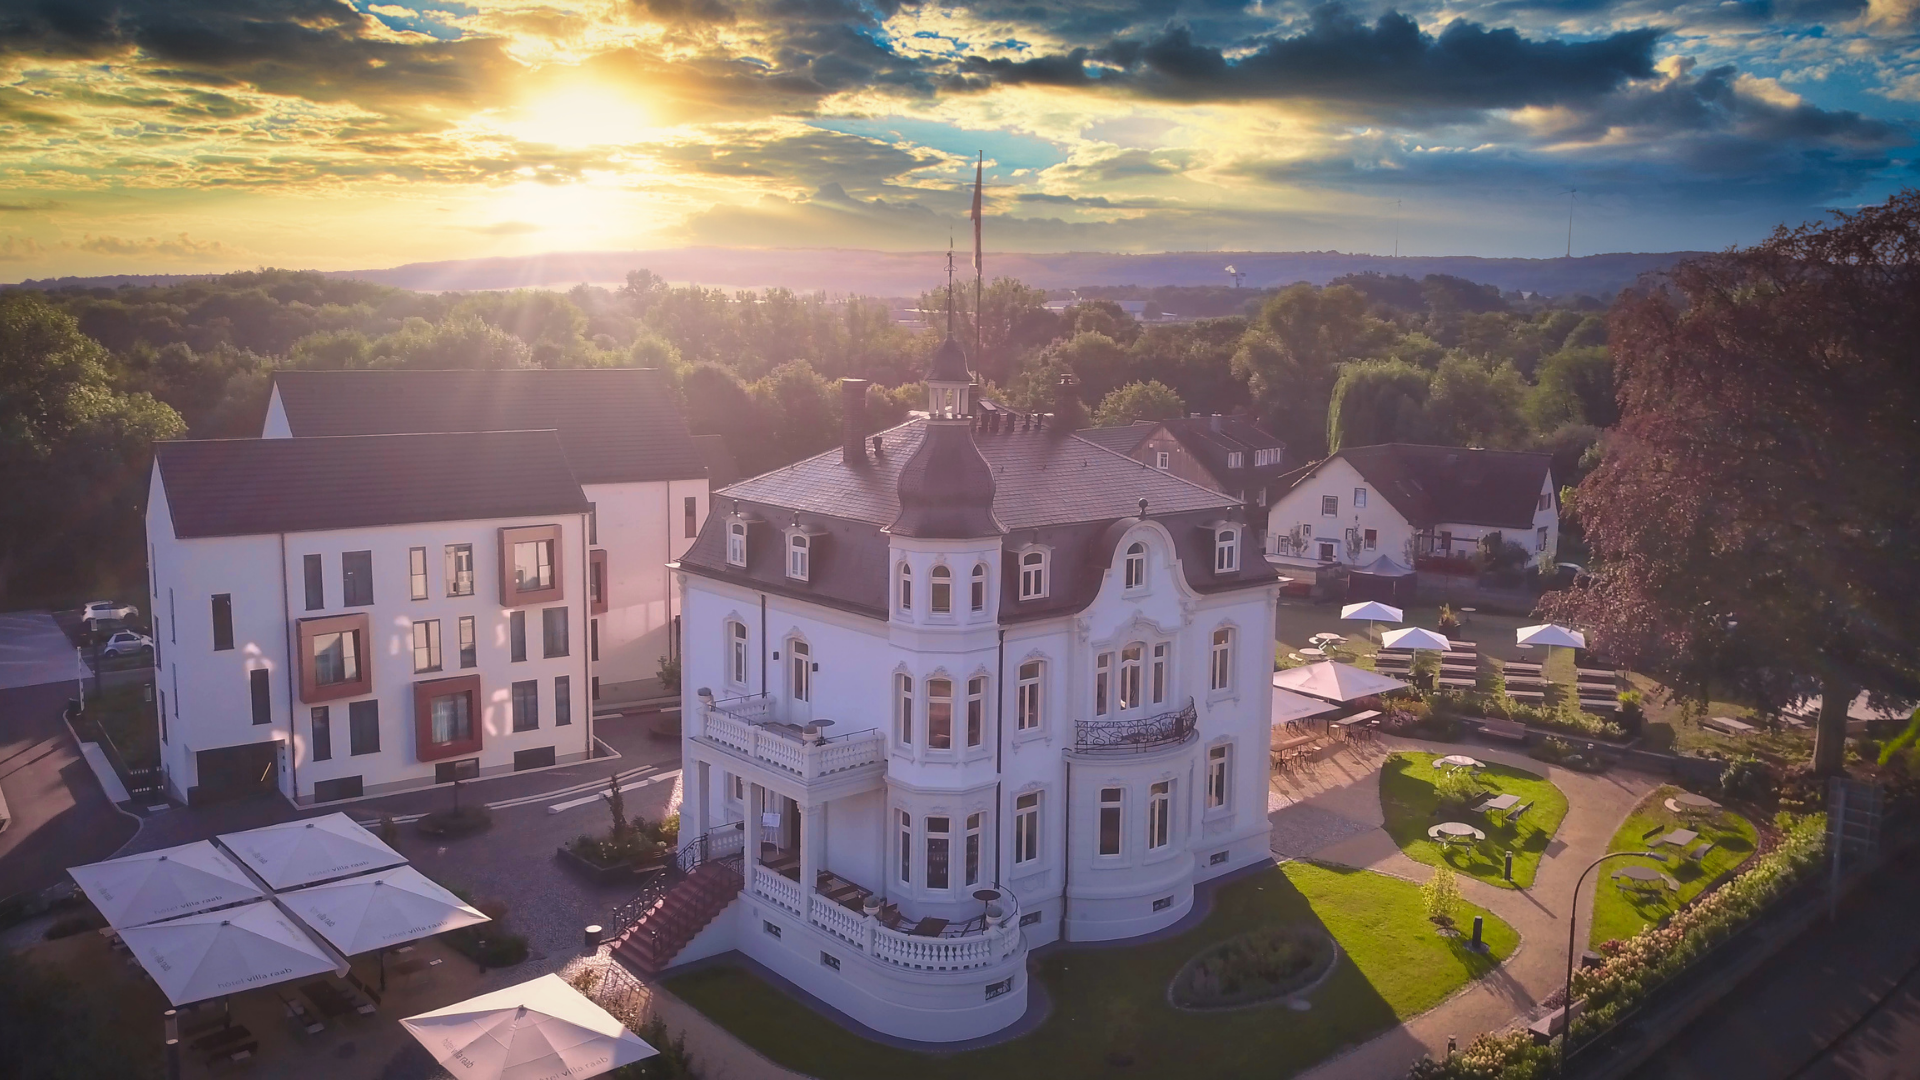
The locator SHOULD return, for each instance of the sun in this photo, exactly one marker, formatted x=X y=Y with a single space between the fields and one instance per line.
x=577 y=115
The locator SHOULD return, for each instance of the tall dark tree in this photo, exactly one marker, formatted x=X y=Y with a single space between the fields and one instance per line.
x=1755 y=510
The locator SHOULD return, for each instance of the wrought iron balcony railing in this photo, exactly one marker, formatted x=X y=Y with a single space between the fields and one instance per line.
x=1136 y=735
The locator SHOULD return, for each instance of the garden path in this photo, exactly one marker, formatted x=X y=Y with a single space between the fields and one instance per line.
x=1348 y=786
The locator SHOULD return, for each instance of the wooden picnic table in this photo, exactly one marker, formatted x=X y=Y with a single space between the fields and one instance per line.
x=1498 y=802
x=1680 y=837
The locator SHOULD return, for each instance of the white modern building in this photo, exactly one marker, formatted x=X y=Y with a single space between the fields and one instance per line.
x=965 y=688
x=1404 y=502
x=644 y=476
x=354 y=616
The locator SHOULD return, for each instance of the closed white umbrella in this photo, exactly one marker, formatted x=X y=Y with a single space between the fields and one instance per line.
x=374 y=911
x=296 y=853
x=197 y=957
x=154 y=885
x=538 y=1030
x=1371 y=612
x=1414 y=637
x=1334 y=681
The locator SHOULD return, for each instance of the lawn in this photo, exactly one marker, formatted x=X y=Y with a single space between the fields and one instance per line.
x=127 y=718
x=1668 y=728
x=1296 y=621
x=1114 y=1000
x=1620 y=914
x=1408 y=799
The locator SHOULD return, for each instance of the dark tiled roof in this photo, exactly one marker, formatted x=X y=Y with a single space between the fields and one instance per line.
x=946 y=489
x=1120 y=440
x=1431 y=485
x=618 y=424
x=1059 y=491
x=246 y=487
x=1211 y=445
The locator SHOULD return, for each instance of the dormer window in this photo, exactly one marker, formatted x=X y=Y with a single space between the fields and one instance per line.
x=1270 y=456
x=979 y=587
x=736 y=543
x=1033 y=575
x=799 y=556
x=1162 y=460
x=1136 y=566
x=1236 y=459
x=940 y=591
x=906 y=587
x=1226 y=549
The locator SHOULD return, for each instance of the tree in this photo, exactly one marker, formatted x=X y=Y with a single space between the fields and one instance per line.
x=1753 y=514
x=1290 y=358
x=1472 y=402
x=805 y=410
x=1573 y=386
x=1441 y=894
x=1152 y=400
x=459 y=341
x=1378 y=401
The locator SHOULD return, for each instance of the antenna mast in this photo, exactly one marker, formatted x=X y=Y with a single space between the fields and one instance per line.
x=1396 y=228
x=1570 y=194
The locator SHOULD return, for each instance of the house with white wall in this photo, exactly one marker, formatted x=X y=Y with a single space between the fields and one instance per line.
x=354 y=616
x=644 y=476
x=963 y=688
x=1406 y=502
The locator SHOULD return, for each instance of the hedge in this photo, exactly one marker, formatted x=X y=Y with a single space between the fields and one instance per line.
x=1501 y=707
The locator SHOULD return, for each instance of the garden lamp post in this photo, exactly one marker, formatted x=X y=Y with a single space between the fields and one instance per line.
x=1573 y=922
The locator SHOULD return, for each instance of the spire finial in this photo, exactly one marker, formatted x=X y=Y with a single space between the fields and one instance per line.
x=949 y=285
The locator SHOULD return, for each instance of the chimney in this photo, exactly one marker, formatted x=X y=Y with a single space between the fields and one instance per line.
x=876 y=448
x=853 y=422
x=1066 y=402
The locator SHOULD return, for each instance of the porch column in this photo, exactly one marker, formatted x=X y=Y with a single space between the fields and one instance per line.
x=695 y=802
x=809 y=853
x=752 y=861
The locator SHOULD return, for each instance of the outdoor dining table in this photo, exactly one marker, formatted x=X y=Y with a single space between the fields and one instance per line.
x=1448 y=831
x=1688 y=803
x=1680 y=837
x=1642 y=875
x=1457 y=761
x=1498 y=802
x=1314 y=654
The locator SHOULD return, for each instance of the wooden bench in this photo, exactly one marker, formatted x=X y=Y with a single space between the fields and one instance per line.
x=1503 y=729
x=1699 y=854
x=1545 y=1028
x=1597 y=674
x=1589 y=704
x=1518 y=667
x=1532 y=697
x=1450 y=682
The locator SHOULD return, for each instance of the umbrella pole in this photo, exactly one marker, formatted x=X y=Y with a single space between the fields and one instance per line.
x=383 y=971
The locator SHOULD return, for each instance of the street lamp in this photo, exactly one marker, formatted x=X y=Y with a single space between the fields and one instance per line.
x=1573 y=923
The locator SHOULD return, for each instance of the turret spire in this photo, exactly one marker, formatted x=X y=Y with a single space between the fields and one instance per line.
x=949 y=286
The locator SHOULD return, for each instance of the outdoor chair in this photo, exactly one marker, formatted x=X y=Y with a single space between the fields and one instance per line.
x=1513 y=815
x=1653 y=832
x=1699 y=855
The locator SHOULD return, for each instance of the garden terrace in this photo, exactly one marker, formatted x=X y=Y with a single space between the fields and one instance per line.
x=1411 y=802
x=1619 y=912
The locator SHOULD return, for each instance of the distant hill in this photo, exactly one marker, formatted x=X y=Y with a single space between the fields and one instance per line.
x=898 y=273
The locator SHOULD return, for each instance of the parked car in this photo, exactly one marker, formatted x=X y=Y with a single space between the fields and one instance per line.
x=98 y=610
x=127 y=643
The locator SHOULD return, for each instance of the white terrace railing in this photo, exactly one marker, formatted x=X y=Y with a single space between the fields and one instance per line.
x=999 y=941
x=745 y=726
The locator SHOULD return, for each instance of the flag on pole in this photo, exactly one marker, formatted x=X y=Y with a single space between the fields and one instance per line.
x=978 y=166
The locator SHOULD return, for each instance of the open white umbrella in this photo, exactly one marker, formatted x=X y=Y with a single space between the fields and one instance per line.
x=1414 y=637
x=1331 y=680
x=1288 y=705
x=1550 y=635
x=197 y=957
x=296 y=853
x=154 y=885
x=1373 y=611
x=374 y=911
x=536 y=1030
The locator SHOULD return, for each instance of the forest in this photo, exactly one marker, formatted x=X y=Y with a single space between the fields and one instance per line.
x=92 y=376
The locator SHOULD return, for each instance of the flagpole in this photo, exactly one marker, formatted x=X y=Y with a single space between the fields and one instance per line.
x=978 y=273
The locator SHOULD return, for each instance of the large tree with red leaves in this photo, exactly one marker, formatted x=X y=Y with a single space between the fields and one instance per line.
x=1756 y=516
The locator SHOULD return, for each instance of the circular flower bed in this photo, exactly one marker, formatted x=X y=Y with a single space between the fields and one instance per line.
x=1259 y=966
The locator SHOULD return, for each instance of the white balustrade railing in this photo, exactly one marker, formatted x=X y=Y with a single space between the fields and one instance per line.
x=809 y=760
x=776 y=889
x=1000 y=940
x=842 y=922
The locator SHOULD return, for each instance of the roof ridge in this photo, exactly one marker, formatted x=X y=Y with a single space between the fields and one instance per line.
x=1228 y=499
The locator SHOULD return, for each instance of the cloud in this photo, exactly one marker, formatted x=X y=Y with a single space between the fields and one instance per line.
x=18 y=248
x=30 y=206
x=182 y=246
x=503 y=228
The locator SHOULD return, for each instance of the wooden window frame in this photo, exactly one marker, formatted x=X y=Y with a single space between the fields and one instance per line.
x=424 y=691
x=511 y=597
x=308 y=629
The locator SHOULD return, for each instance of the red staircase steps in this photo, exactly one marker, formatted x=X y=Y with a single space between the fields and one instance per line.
x=651 y=943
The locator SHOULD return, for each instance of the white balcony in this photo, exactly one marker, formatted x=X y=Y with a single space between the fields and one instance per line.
x=992 y=938
x=746 y=727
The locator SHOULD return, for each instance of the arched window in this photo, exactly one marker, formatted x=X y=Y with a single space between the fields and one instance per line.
x=940 y=591
x=737 y=543
x=736 y=652
x=1033 y=575
x=979 y=593
x=799 y=554
x=906 y=587
x=903 y=708
x=939 y=714
x=1136 y=565
x=1130 y=662
x=1226 y=551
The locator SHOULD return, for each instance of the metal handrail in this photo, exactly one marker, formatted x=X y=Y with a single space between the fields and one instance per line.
x=1137 y=735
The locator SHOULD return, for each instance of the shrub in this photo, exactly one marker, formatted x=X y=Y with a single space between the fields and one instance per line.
x=1633 y=709
x=1493 y=681
x=668 y=670
x=1255 y=966
x=1456 y=786
x=389 y=830
x=1448 y=622
x=1747 y=778
x=1563 y=718
x=488 y=945
x=1441 y=894
x=1558 y=751
x=455 y=821
x=671 y=1063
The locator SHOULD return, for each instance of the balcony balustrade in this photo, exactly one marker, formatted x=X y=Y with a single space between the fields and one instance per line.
x=746 y=726
x=1136 y=735
x=978 y=943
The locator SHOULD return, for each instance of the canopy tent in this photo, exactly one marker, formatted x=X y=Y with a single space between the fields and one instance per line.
x=214 y=953
x=1414 y=637
x=531 y=1031
x=1334 y=681
x=374 y=911
x=1550 y=635
x=1371 y=612
x=296 y=853
x=137 y=889
x=1288 y=705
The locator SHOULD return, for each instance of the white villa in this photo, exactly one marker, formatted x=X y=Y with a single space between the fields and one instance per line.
x=1403 y=502
x=956 y=691
x=644 y=476
x=345 y=617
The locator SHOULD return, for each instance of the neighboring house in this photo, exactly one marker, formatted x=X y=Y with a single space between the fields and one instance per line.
x=1408 y=502
x=645 y=476
x=339 y=617
x=1045 y=669
x=1226 y=453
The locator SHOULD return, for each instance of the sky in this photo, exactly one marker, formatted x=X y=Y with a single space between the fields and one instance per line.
x=150 y=136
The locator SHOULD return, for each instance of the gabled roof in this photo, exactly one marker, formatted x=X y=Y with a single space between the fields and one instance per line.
x=1120 y=440
x=249 y=487
x=1433 y=485
x=618 y=424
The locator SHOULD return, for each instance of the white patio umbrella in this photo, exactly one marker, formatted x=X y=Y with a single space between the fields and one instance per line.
x=1414 y=637
x=1551 y=635
x=374 y=911
x=1288 y=705
x=154 y=885
x=535 y=1030
x=296 y=853
x=1331 y=680
x=197 y=957
x=1373 y=611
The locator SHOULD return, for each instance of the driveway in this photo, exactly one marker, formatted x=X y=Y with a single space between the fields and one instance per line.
x=60 y=816
x=34 y=650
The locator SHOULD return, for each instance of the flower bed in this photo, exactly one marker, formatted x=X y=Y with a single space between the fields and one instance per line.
x=1259 y=966
x=1497 y=705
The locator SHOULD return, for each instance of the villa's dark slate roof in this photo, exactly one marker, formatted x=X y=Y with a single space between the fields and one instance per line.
x=248 y=487
x=949 y=363
x=618 y=424
x=1121 y=440
x=1432 y=485
x=946 y=489
x=1051 y=489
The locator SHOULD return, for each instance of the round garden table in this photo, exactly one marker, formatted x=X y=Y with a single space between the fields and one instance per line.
x=1642 y=875
x=1688 y=803
x=1457 y=761
x=1448 y=831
